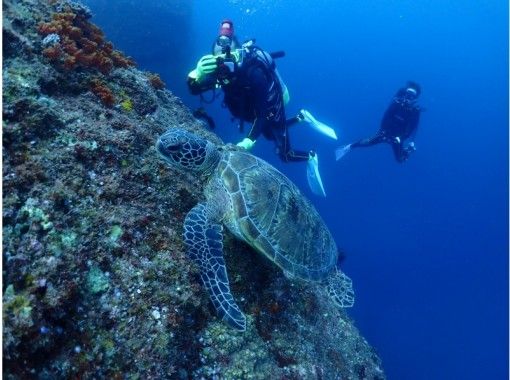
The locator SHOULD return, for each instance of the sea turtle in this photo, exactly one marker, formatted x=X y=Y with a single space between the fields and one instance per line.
x=260 y=206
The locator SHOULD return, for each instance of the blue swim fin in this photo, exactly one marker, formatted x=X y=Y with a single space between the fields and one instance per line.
x=342 y=151
x=317 y=125
x=313 y=175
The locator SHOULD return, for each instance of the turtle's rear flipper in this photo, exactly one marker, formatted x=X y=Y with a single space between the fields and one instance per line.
x=204 y=245
x=340 y=289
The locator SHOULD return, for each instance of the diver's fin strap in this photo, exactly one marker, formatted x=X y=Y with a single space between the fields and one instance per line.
x=204 y=241
x=340 y=289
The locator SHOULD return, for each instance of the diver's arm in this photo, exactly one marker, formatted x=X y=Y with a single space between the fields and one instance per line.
x=206 y=83
x=414 y=120
x=193 y=84
x=203 y=77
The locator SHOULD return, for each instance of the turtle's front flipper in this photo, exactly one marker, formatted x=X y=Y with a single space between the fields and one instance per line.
x=340 y=289
x=204 y=241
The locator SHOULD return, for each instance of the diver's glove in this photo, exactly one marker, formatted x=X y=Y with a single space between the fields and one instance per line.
x=206 y=65
x=246 y=143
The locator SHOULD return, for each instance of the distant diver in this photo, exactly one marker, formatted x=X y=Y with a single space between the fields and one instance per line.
x=255 y=93
x=399 y=124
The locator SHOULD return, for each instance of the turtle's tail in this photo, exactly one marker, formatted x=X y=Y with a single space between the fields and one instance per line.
x=340 y=289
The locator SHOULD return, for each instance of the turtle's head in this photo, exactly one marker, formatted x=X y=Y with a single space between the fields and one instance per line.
x=187 y=151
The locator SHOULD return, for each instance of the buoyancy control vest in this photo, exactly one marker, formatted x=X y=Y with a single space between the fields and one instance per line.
x=237 y=86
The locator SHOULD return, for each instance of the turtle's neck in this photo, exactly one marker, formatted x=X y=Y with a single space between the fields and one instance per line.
x=211 y=161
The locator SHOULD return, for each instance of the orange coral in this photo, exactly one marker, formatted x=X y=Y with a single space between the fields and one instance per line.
x=70 y=48
x=108 y=47
x=82 y=44
x=119 y=60
x=69 y=62
x=83 y=59
x=156 y=81
x=75 y=32
x=47 y=28
x=101 y=90
x=53 y=53
x=102 y=63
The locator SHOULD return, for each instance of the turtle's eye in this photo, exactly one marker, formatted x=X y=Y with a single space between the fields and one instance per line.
x=174 y=147
x=167 y=146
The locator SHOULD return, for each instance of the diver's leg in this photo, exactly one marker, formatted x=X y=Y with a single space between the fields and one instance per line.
x=377 y=139
x=401 y=154
x=341 y=151
x=286 y=154
x=281 y=137
x=298 y=155
x=293 y=121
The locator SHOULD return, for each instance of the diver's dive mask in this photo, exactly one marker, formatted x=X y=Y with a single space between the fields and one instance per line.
x=411 y=93
x=223 y=42
x=223 y=45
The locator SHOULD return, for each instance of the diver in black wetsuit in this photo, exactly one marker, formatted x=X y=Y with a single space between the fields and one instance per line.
x=399 y=123
x=254 y=93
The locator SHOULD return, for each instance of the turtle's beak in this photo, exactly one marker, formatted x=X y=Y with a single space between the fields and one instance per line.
x=160 y=147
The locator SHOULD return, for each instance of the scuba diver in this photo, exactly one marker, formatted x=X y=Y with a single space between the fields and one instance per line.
x=399 y=123
x=254 y=92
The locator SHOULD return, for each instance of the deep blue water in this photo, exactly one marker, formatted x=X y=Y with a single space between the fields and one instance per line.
x=427 y=240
